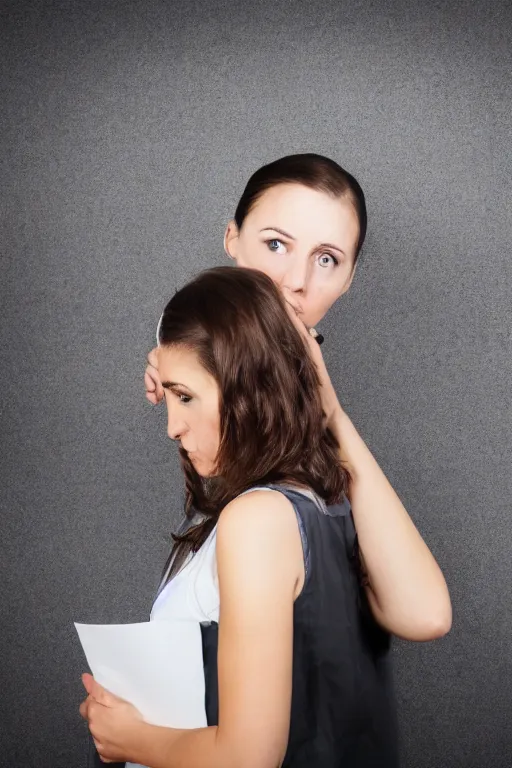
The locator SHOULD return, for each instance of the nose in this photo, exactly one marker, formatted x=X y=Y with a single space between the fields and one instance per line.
x=176 y=427
x=297 y=275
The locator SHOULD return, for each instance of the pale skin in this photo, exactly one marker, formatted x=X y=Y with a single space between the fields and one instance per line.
x=261 y=572
x=305 y=241
x=257 y=537
x=256 y=598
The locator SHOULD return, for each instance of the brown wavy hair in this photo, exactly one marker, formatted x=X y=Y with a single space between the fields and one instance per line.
x=272 y=427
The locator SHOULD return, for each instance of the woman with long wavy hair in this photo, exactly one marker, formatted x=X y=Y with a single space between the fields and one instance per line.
x=296 y=667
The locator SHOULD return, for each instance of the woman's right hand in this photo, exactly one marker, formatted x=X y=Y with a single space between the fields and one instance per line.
x=154 y=389
x=328 y=394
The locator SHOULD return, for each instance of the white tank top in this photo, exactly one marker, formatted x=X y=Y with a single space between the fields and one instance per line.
x=193 y=594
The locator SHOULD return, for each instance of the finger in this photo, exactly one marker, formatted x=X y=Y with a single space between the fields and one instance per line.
x=306 y=333
x=153 y=358
x=104 y=697
x=84 y=709
x=295 y=318
x=149 y=382
x=87 y=680
x=152 y=398
x=101 y=695
x=154 y=395
x=100 y=748
x=152 y=382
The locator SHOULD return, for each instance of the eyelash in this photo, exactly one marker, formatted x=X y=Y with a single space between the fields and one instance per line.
x=185 y=399
x=273 y=240
x=276 y=240
x=332 y=256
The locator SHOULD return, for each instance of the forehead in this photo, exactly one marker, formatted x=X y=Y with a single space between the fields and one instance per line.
x=306 y=213
x=182 y=365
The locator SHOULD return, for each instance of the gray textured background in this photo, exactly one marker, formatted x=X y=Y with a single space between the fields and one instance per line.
x=128 y=132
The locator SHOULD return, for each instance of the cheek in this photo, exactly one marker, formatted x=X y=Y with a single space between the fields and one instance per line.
x=257 y=256
x=210 y=436
x=322 y=295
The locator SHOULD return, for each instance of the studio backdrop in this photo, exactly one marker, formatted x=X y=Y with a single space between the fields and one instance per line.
x=128 y=132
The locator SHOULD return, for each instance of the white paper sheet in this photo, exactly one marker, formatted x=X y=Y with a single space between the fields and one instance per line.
x=155 y=665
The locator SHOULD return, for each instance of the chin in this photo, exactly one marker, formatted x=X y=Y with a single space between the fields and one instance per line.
x=204 y=469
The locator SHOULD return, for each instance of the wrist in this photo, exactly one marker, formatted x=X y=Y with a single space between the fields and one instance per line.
x=335 y=419
x=330 y=403
x=149 y=742
x=344 y=432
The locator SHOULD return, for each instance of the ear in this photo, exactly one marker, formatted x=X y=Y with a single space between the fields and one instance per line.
x=231 y=239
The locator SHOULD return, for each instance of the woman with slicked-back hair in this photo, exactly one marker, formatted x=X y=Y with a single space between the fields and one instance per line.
x=302 y=220
x=301 y=558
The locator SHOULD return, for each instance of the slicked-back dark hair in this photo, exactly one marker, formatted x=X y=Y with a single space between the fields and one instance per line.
x=310 y=170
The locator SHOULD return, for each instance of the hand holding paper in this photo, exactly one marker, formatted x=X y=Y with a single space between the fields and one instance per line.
x=114 y=723
x=157 y=666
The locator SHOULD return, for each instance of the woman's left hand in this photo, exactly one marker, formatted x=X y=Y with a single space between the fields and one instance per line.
x=112 y=721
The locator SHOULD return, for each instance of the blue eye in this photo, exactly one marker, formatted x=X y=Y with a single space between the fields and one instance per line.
x=274 y=244
x=325 y=259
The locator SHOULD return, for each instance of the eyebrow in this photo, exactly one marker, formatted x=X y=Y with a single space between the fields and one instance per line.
x=172 y=384
x=281 y=232
x=290 y=237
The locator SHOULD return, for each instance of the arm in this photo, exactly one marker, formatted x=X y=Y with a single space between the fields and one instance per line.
x=258 y=551
x=259 y=559
x=407 y=591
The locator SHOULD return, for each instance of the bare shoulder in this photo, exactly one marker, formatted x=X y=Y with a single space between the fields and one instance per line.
x=258 y=543
x=259 y=512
